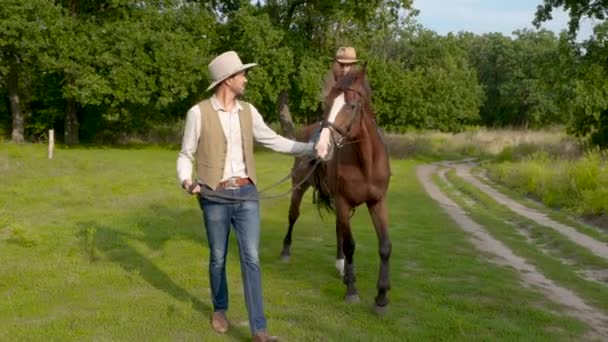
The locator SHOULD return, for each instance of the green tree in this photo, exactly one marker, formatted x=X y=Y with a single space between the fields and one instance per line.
x=255 y=37
x=24 y=36
x=590 y=100
x=134 y=61
x=588 y=106
x=315 y=28
x=423 y=80
x=490 y=55
x=577 y=9
x=531 y=90
x=522 y=78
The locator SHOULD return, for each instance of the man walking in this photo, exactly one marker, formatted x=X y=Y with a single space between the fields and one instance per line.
x=218 y=139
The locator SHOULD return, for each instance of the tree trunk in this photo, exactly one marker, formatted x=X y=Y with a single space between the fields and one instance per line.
x=71 y=122
x=71 y=126
x=25 y=96
x=75 y=7
x=17 y=134
x=285 y=116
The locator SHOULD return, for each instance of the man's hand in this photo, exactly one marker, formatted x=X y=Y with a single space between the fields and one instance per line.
x=191 y=188
x=322 y=146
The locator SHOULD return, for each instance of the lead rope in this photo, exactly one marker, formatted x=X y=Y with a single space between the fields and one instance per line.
x=230 y=199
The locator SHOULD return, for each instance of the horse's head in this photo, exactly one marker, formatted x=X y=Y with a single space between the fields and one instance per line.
x=345 y=106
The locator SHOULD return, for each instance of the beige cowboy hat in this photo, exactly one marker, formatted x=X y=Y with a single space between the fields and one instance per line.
x=346 y=55
x=224 y=66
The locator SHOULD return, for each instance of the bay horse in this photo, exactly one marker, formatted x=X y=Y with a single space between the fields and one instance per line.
x=354 y=170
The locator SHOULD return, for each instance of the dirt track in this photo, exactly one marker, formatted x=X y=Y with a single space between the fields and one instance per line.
x=576 y=307
x=596 y=247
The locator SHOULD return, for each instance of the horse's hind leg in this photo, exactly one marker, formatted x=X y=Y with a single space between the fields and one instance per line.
x=379 y=214
x=348 y=246
x=294 y=213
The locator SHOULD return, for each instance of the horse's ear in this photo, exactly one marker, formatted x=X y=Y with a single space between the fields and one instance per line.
x=363 y=70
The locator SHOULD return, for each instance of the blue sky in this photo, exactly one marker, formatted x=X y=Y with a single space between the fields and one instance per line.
x=483 y=16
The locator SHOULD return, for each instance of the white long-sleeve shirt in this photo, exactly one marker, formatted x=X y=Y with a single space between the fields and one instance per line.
x=235 y=163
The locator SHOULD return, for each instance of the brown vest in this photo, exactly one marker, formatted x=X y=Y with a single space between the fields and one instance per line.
x=212 y=145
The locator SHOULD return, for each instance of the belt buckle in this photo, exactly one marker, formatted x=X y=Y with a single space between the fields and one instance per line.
x=232 y=183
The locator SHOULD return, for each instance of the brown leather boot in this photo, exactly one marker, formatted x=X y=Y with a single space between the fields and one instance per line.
x=262 y=336
x=219 y=322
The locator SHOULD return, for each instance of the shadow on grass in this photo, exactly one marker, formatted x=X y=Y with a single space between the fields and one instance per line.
x=160 y=224
x=116 y=246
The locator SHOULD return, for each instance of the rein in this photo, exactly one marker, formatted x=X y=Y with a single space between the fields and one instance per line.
x=231 y=199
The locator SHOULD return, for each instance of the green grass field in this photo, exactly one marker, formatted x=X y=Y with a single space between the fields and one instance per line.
x=102 y=244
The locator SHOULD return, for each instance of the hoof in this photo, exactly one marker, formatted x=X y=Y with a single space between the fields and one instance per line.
x=352 y=299
x=285 y=258
x=380 y=310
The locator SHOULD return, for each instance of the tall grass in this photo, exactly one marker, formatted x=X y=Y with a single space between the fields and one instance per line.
x=579 y=185
x=550 y=166
x=505 y=144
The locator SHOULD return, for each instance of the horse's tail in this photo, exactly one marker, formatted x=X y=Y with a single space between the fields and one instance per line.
x=322 y=195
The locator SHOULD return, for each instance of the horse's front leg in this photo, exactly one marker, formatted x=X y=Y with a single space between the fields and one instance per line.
x=339 y=251
x=348 y=246
x=379 y=214
x=294 y=213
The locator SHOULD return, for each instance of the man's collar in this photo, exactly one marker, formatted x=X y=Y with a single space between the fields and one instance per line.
x=215 y=103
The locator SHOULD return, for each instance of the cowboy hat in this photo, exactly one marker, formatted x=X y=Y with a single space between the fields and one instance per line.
x=346 y=55
x=224 y=66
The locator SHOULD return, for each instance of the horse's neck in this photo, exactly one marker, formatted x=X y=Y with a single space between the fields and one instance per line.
x=367 y=146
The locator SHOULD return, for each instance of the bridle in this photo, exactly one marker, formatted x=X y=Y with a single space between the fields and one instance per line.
x=355 y=112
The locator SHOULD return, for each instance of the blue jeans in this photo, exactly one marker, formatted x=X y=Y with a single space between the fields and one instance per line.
x=245 y=218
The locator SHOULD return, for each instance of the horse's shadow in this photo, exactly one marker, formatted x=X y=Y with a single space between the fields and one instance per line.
x=102 y=241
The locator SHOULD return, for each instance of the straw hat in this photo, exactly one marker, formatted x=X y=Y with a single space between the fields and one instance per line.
x=224 y=66
x=346 y=55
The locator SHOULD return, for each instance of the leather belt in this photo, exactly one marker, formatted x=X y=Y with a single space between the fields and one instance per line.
x=234 y=182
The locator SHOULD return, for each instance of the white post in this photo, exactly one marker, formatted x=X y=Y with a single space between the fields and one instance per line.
x=51 y=142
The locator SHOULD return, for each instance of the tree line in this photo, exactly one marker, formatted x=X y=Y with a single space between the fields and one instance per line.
x=97 y=68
